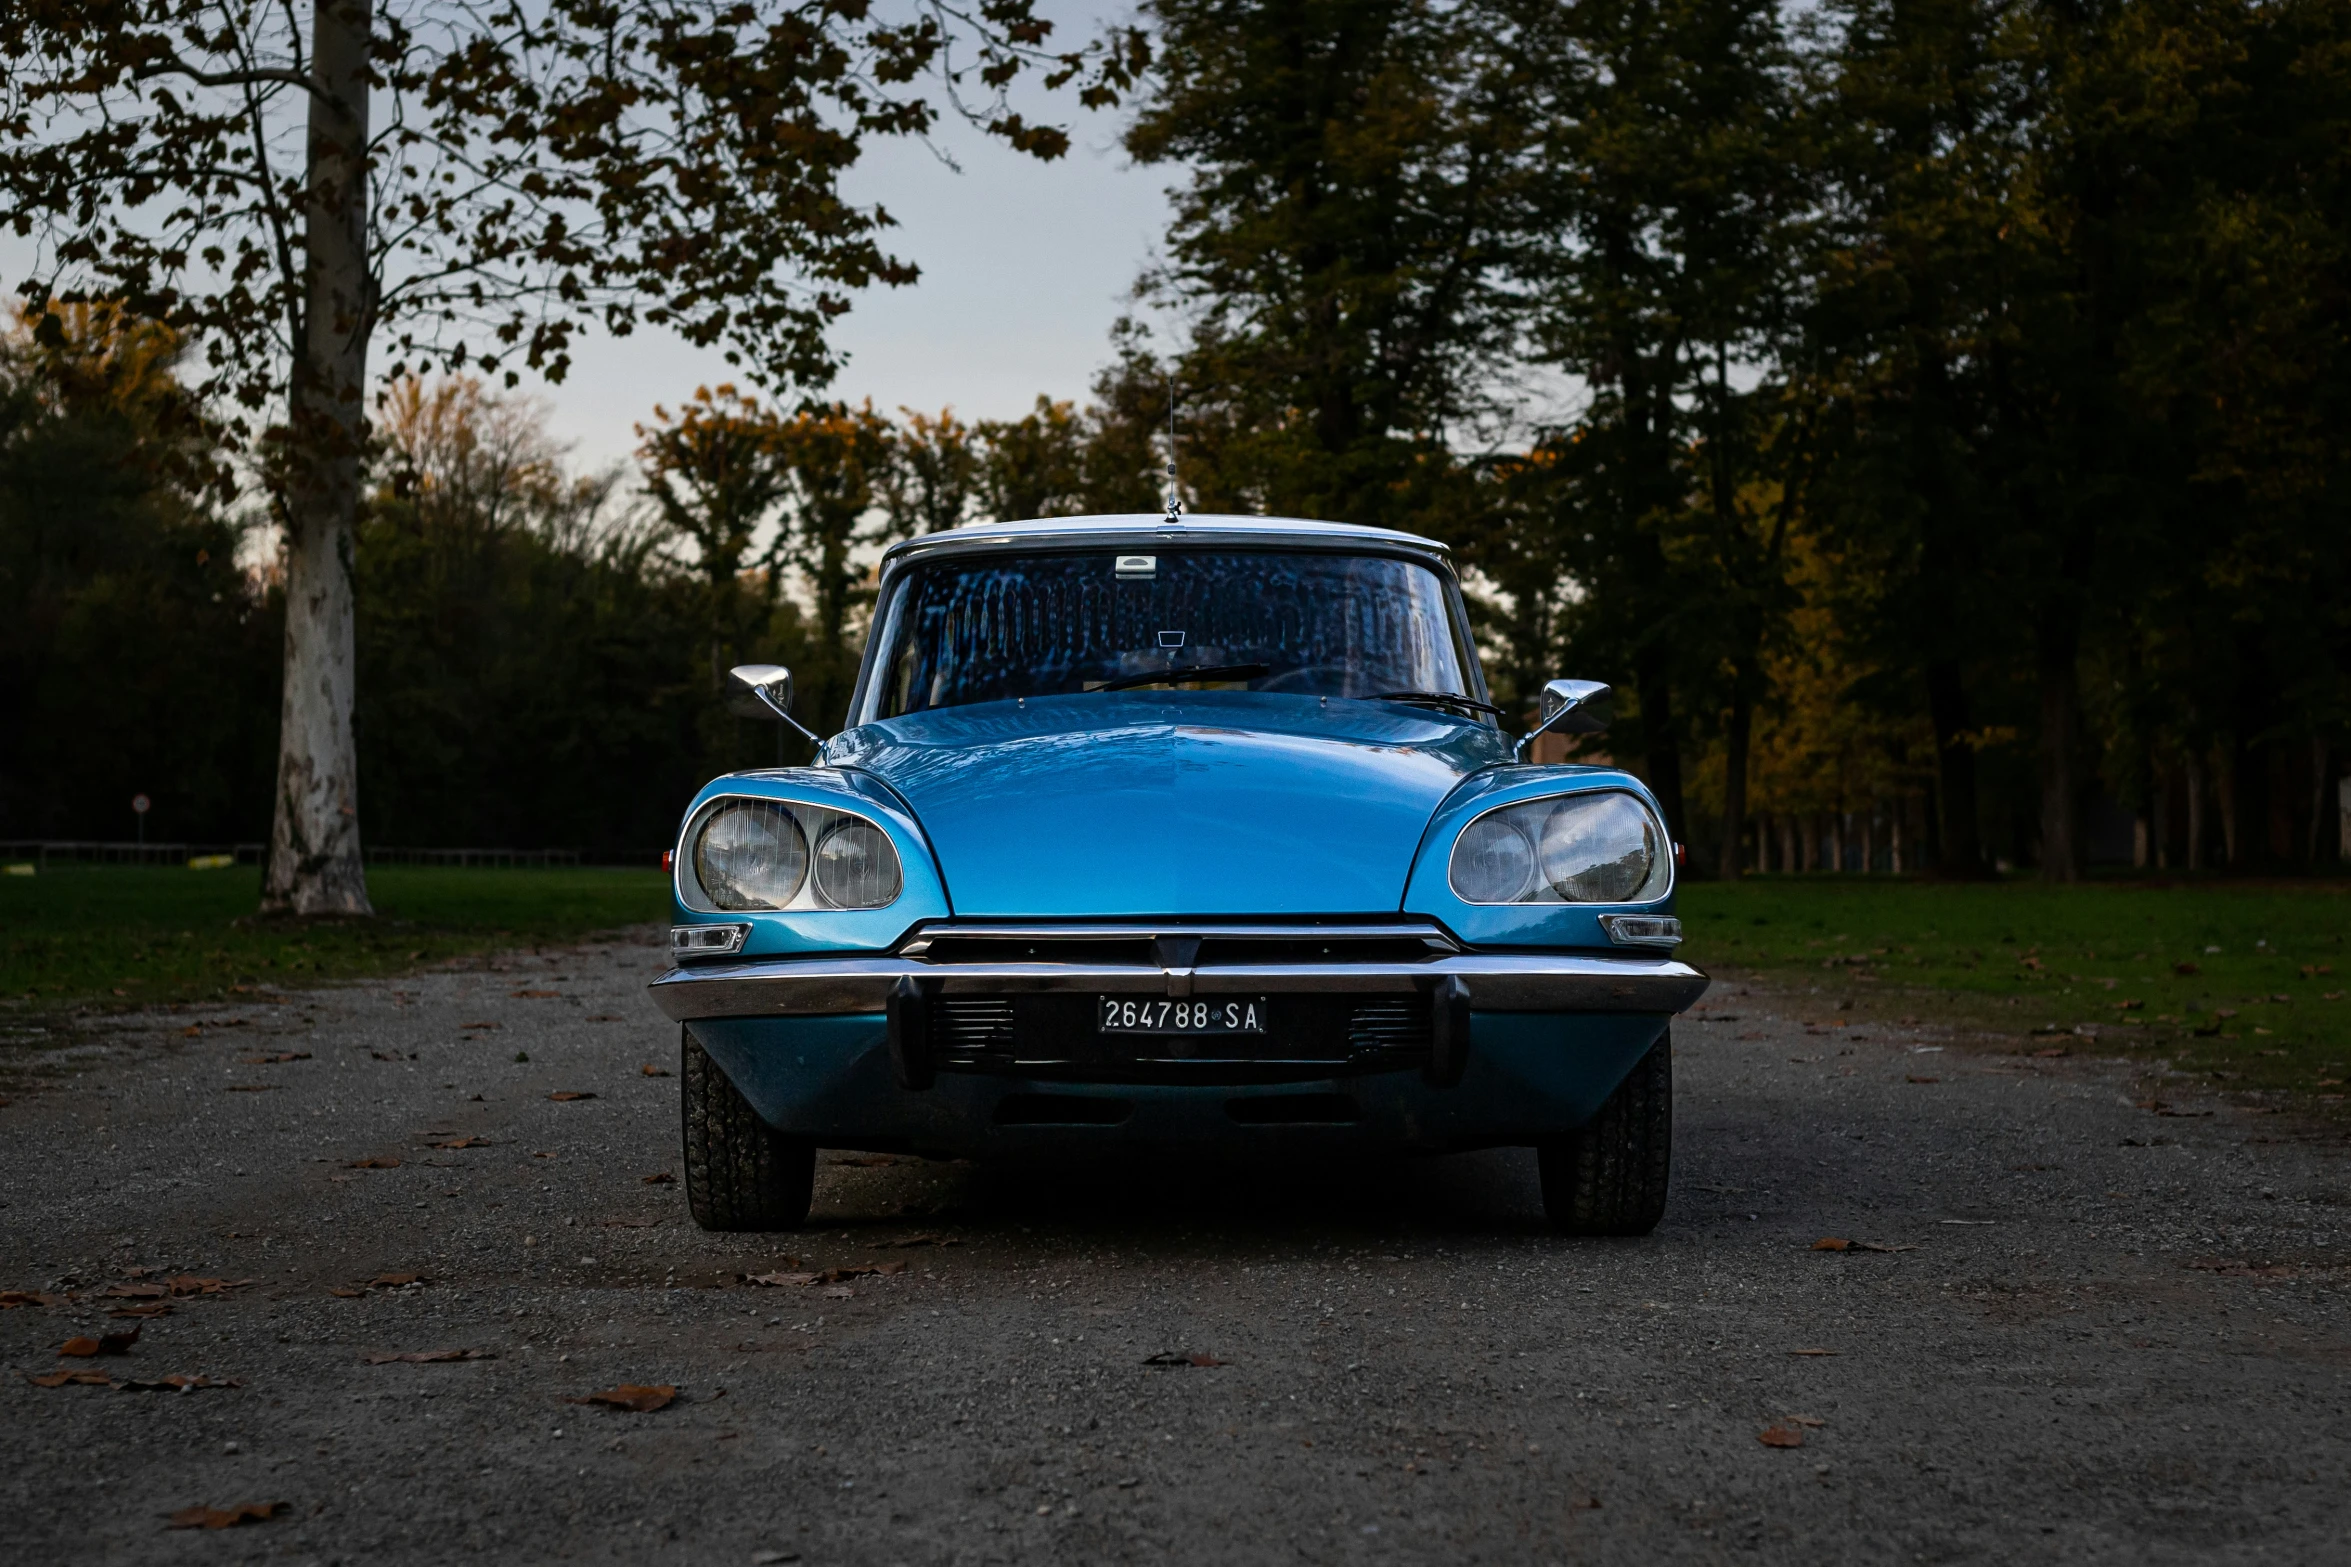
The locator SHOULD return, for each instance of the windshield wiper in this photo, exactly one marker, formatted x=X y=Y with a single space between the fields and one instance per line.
x=1160 y=677
x=1438 y=699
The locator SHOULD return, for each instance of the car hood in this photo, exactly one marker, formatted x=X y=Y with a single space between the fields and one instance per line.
x=1173 y=803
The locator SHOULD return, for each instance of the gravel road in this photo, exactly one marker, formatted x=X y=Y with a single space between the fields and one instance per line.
x=2079 y=1329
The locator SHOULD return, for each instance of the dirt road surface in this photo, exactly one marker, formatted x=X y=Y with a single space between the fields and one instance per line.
x=2070 y=1326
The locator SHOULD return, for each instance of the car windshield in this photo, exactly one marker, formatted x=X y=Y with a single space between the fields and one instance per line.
x=993 y=627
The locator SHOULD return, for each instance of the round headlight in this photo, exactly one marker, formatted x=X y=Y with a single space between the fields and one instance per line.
x=1493 y=862
x=856 y=867
x=751 y=856
x=1600 y=848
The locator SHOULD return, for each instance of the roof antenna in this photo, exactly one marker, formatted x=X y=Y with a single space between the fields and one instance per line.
x=1175 y=500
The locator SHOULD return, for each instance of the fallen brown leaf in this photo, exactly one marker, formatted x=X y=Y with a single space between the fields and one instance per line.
x=177 y=1382
x=650 y=1070
x=227 y=1517
x=136 y=1291
x=61 y=1378
x=189 y=1284
x=1780 y=1436
x=659 y=1178
x=463 y=1142
x=280 y=1059
x=105 y=1344
x=563 y=1096
x=632 y=1396
x=1812 y=1352
x=925 y=1240
x=160 y=1308
x=779 y=1280
x=485 y=1023
x=345 y=1291
x=248 y=1088
x=191 y=1032
x=13 y=1298
x=428 y=1357
x=2051 y=1054
x=1912 y=1078
x=1836 y=1243
x=373 y=1164
x=2239 y=1268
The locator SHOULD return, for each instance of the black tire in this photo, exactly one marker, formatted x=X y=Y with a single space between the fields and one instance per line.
x=1610 y=1178
x=741 y=1173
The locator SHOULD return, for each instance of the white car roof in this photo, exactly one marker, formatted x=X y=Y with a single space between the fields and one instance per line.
x=1140 y=530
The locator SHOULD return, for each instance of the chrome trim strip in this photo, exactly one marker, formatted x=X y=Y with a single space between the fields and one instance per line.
x=1498 y=982
x=918 y=941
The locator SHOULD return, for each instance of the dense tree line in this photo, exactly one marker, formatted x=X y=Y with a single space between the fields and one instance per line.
x=1928 y=413
x=1958 y=385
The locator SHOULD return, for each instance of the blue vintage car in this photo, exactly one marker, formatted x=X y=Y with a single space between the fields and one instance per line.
x=1178 y=832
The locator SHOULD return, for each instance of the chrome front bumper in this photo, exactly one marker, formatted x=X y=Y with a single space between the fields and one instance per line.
x=1497 y=982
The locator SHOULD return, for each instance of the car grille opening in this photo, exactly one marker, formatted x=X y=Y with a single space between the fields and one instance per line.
x=1294 y=1110
x=1061 y=1110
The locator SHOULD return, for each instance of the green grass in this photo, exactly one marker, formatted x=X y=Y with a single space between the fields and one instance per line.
x=121 y=936
x=2249 y=982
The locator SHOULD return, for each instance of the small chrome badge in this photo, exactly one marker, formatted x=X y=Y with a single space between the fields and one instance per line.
x=1138 y=566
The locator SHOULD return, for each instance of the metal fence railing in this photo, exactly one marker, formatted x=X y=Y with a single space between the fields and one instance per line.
x=41 y=852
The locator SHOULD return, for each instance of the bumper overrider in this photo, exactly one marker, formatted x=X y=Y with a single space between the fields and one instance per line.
x=970 y=1038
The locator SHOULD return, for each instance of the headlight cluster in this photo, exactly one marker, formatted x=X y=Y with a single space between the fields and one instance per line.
x=1598 y=847
x=755 y=854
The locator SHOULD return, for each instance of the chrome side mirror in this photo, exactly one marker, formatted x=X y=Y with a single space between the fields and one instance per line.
x=1573 y=707
x=764 y=691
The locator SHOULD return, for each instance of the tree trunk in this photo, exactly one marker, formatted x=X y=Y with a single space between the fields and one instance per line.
x=1662 y=751
x=1734 y=775
x=2194 y=768
x=2318 y=799
x=1959 y=846
x=2226 y=787
x=1791 y=851
x=2061 y=844
x=314 y=860
x=2159 y=844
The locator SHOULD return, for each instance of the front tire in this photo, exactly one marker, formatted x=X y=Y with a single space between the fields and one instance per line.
x=1610 y=1178
x=741 y=1173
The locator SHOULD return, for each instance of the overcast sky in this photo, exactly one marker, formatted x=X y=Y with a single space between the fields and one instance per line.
x=1024 y=267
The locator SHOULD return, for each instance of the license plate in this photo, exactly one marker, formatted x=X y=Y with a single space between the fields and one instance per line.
x=1221 y=1015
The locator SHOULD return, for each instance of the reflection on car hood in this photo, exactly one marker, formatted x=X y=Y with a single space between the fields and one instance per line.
x=1159 y=803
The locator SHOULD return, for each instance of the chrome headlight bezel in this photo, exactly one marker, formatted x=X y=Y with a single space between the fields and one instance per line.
x=1557 y=870
x=817 y=825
